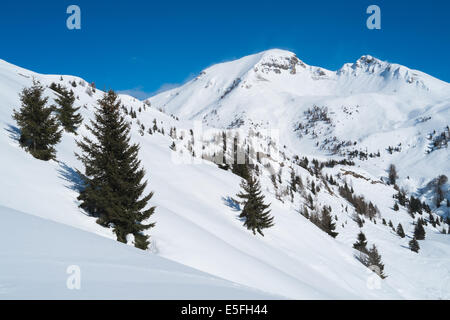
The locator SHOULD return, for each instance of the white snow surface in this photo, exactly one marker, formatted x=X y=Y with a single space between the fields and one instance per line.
x=35 y=266
x=195 y=227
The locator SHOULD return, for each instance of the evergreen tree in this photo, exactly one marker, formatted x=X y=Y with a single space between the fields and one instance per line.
x=374 y=262
x=254 y=211
x=326 y=222
x=414 y=245
x=224 y=148
x=396 y=208
x=293 y=183
x=67 y=112
x=113 y=177
x=305 y=212
x=39 y=130
x=239 y=168
x=440 y=181
x=400 y=231
x=392 y=174
x=419 y=231
x=361 y=243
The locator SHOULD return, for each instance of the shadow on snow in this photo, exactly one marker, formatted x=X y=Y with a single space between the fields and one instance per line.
x=75 y=179
x=13 y=132
x=231 y=203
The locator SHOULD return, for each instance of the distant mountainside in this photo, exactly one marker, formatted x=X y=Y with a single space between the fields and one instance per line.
x=370 y=106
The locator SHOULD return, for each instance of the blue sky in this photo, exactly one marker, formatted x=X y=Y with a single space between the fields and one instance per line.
x=147 y=46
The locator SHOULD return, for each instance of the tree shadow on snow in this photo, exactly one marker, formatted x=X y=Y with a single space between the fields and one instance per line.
x=75 y=179
x=13 y=132
x=231 y=203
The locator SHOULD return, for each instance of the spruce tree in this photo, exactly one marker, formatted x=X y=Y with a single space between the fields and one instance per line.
x=239 y=168
x=361 y=243
x=67 y=115
x=419 y=231
x=254 y=211
x=293 y=183
x=400 y=231
x=414 y=245
x=392 y=174
x=113 y=175
x=326 y=222
x=374 y=262
x=39 y=130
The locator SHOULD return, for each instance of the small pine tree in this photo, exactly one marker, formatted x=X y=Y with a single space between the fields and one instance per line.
x=326 y=222
x=392 y=174
x=374 y=262
x=293 y=183
x=414 y=245
x=400 y=231
x=254 y=211
x=39 y=130
x=361 y=243
x=419 y=231
x=396 y=208
x=67 y=112
x=113 y=177
x=238 y=168
x=305 y=212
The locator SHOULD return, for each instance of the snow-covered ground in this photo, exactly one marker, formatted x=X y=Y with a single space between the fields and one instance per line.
x=48 y=260
x=196 y=226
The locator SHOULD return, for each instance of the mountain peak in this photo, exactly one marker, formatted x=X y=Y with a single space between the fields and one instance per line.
x=368 y=59
x=277 y=53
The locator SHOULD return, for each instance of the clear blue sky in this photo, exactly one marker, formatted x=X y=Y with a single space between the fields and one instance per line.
x=148 y=45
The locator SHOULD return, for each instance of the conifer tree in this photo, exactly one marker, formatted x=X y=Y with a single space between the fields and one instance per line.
x=305 y=212
x=414 y=245
x=70 y=120
x=293 y=183
x=113 y=175
x=392 y=174
x=238 y=168
x=396 y=208
x=419 y=231
x=361 y=243
x=39 y=130
x=254 y=211
x=326 y=222
x=400 y=231
x=374 y=262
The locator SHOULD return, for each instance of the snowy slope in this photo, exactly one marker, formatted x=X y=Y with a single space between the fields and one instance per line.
x=196 y=227
x=35 y=265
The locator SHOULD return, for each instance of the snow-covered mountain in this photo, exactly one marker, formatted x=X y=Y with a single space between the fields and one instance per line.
x=371 y=105
x=360 y=109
